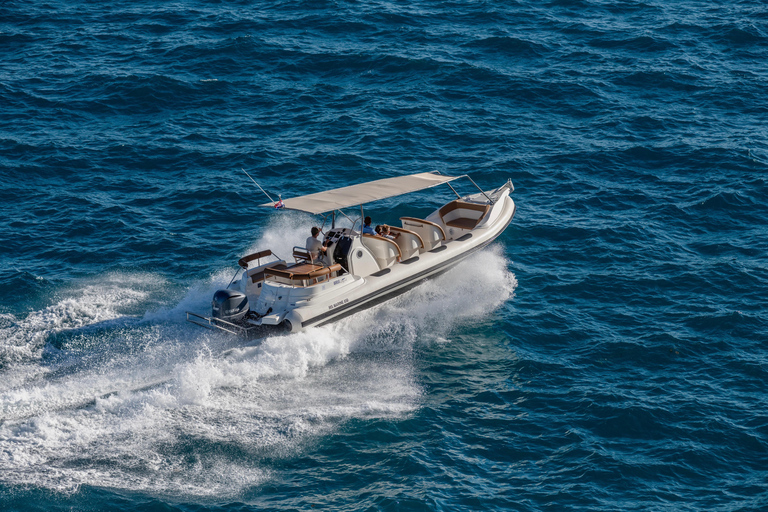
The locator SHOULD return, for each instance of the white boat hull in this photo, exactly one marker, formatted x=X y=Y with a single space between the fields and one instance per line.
x=405 y=275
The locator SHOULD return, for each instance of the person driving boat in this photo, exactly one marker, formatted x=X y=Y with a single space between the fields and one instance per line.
x=314 y=246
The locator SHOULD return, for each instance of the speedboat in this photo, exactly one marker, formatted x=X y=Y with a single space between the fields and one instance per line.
x=357 y=270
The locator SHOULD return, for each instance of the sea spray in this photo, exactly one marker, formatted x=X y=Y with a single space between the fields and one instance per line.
x=183 y=401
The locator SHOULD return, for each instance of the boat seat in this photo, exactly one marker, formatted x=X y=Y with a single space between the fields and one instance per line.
x=410 y=242
x=431 y=234
x=303 y=274
x=385 y=251
x=257 y=276
x=462 y=223
x=462 y=214
x=300 y=254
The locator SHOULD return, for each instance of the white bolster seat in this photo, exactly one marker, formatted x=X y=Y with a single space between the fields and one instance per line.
x=410 y=242
x=385 y=251
x=431 y=234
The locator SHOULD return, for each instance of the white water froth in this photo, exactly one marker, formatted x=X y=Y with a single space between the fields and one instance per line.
x=23 y=340
x=179 y=415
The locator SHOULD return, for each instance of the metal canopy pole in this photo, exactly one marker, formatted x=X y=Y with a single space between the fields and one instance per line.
x=478 y=188
x=347 y=216
x=454 y=190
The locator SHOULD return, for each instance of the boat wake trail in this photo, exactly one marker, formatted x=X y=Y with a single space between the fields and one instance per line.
x=95 y=392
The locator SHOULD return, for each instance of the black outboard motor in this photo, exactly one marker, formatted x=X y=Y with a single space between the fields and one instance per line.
x=229 y=305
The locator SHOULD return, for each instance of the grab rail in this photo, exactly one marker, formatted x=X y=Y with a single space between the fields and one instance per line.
x=243 y=262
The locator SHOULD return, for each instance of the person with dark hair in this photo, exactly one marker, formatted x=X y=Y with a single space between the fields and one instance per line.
x=367 y=229
x=314 y=246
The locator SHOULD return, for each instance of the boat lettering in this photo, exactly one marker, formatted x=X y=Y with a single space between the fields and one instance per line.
x=337 y=281
x=338 y=304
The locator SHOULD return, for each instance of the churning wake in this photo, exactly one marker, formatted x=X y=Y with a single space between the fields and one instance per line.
x=93 y=393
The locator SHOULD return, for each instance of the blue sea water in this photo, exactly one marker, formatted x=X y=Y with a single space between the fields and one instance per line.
x=608 y=352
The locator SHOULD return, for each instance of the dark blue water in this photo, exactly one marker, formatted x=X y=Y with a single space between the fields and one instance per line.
x=608 y=352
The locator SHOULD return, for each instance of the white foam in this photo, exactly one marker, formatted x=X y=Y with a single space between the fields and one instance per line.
x=22 y=340
x=163 y=410
x=262 y=399
x=470 y=292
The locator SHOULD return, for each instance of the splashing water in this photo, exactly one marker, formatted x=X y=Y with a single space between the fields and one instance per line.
x=157 y=406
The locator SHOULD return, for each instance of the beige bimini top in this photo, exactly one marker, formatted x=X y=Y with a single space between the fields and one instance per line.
x=354 y=195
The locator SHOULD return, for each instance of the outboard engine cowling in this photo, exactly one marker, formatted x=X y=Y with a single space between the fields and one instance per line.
x=229 y=305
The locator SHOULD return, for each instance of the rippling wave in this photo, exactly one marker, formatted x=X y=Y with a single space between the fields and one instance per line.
x=607 y=353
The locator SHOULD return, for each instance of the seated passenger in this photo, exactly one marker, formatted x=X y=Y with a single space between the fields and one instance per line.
x=385 y=232
x=367 y=229
x=314 y=246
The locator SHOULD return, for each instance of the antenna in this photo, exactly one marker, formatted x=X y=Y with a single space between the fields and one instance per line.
x=254 y=181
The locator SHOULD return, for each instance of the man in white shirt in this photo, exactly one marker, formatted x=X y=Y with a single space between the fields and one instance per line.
x=314 y=246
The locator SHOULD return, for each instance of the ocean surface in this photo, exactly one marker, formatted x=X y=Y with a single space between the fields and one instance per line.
x=608 y=352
